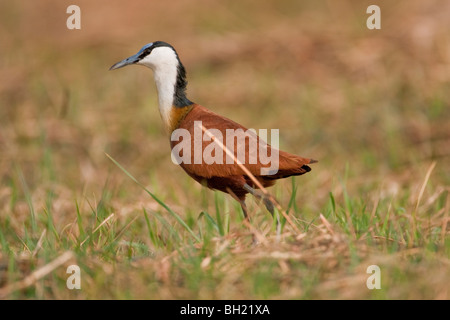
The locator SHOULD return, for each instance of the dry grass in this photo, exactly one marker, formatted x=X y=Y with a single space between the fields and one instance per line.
x=372 y=106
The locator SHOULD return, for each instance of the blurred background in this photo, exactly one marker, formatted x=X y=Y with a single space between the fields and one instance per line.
x=371 y=105
x=339 y=92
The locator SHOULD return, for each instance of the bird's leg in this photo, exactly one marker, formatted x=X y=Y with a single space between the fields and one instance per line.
x=260 y=195
x=241 y=201
x=267 y=202
x=244 y=209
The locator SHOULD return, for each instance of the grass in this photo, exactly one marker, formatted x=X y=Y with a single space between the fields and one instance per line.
x=86 y=176
x=208 y=256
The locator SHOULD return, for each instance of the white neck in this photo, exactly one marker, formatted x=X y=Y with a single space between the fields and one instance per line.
x=165 y=79
x=164 y=63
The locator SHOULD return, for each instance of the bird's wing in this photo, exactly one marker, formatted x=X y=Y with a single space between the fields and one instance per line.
x=200 y=156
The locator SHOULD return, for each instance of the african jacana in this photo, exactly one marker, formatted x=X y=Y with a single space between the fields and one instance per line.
x=178 y=112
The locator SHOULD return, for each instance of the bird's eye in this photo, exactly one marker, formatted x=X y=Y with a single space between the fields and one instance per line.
x=145 y=52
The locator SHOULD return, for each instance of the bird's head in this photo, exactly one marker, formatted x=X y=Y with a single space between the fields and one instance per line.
x=169 y=72
x=152 y=55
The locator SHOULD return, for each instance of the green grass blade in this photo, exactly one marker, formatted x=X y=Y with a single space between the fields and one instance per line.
x=152 y=235
x=27 y=194
x=218 y=216
x=209 y=219
x=176 y=216
x=292 y=203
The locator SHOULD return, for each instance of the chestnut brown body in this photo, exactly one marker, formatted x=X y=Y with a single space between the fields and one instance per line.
x=229 y=177
x=179 y=113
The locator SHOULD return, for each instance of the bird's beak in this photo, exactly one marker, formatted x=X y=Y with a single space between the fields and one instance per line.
x=130 y=60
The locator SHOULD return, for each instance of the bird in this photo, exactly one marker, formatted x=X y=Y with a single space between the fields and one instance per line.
x=179 y=114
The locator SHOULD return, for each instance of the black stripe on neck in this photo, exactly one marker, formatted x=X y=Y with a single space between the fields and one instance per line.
x=179 y=98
